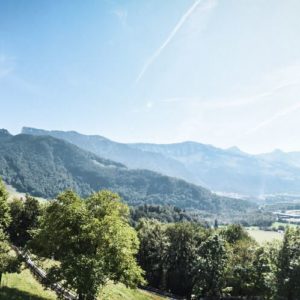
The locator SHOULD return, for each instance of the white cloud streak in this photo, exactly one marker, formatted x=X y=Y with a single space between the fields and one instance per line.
x=276 y=116
x=207 y=6
x=7 y=65
x=235 y=102
x=122 y=15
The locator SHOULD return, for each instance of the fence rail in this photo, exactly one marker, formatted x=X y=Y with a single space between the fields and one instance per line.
x=42 y=276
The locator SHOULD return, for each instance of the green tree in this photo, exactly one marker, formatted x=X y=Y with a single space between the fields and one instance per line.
x=234 y=233
x=24 y=217
x=152 y=255
x=240 y=268
x=210 y=268
x=92 y=241
x=263 y=281
x=185 y=239
x=288 y=266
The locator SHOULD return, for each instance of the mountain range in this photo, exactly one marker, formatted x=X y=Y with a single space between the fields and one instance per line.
x=226 y=171
x=44 y=166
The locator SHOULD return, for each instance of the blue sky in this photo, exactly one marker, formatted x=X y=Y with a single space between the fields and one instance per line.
x=214 y=71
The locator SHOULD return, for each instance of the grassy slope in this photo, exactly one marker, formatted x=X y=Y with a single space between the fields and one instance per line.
x=120 y=292
x=24 y=286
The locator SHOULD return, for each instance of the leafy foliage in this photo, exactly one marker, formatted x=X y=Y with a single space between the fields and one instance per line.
x=164 y=214
x=8 y=263
x=210 y=265
x=24 y=215
x=288 y=272
x=92 y=241
x=188 y=259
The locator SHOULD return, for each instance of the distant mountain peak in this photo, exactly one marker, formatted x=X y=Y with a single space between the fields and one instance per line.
x=36 y=131
x=277 y=151
x=4 y=132
x=235 y=149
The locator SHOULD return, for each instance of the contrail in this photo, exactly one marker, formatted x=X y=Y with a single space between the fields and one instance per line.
x=273 y=118
x=181 y=22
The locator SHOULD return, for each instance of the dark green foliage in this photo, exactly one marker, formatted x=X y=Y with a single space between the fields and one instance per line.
x=168 y=254
x=210 y=267
x=235 y=233
x=288 y=266
x=45 y=166
x=24 y=215
x=185 y=259
x=164 y=214
x=152 y=256
x=263 y=272
x=184 y=242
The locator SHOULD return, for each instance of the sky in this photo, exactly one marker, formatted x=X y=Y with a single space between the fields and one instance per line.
x=220 y=72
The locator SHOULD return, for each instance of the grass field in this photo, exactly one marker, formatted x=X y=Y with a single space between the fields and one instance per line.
x=262 y=236
x=24 y=286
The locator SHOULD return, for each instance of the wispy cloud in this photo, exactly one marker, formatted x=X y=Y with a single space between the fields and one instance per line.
x=7 y=65
x=8 y=71
x=122 y=15
x=272 y=119
x=198 y=4
x=271 y=86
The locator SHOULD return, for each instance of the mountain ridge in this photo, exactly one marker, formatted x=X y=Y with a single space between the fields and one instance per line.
x=223 y=170
x=45 y=166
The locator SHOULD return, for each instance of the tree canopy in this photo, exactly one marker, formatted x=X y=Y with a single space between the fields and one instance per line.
x=91 y=239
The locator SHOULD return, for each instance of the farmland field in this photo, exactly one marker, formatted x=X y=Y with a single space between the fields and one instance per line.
x=263 y=236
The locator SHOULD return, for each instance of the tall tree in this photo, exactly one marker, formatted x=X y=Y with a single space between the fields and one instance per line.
x=210 y=268
x=8 y=262
x=152 y=256
x=263 y=281
x=92 y=241
x=185 y=240
x=288 y=272
x=24 y=217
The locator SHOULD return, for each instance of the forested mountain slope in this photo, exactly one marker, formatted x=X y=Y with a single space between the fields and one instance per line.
x=231 y=170
x=44 y=166
x=133 y=158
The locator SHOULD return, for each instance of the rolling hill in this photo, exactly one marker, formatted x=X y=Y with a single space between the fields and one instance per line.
x=44 y=166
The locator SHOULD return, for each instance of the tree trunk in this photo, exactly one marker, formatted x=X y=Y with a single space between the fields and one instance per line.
x=0 y=278
x=80 y=296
